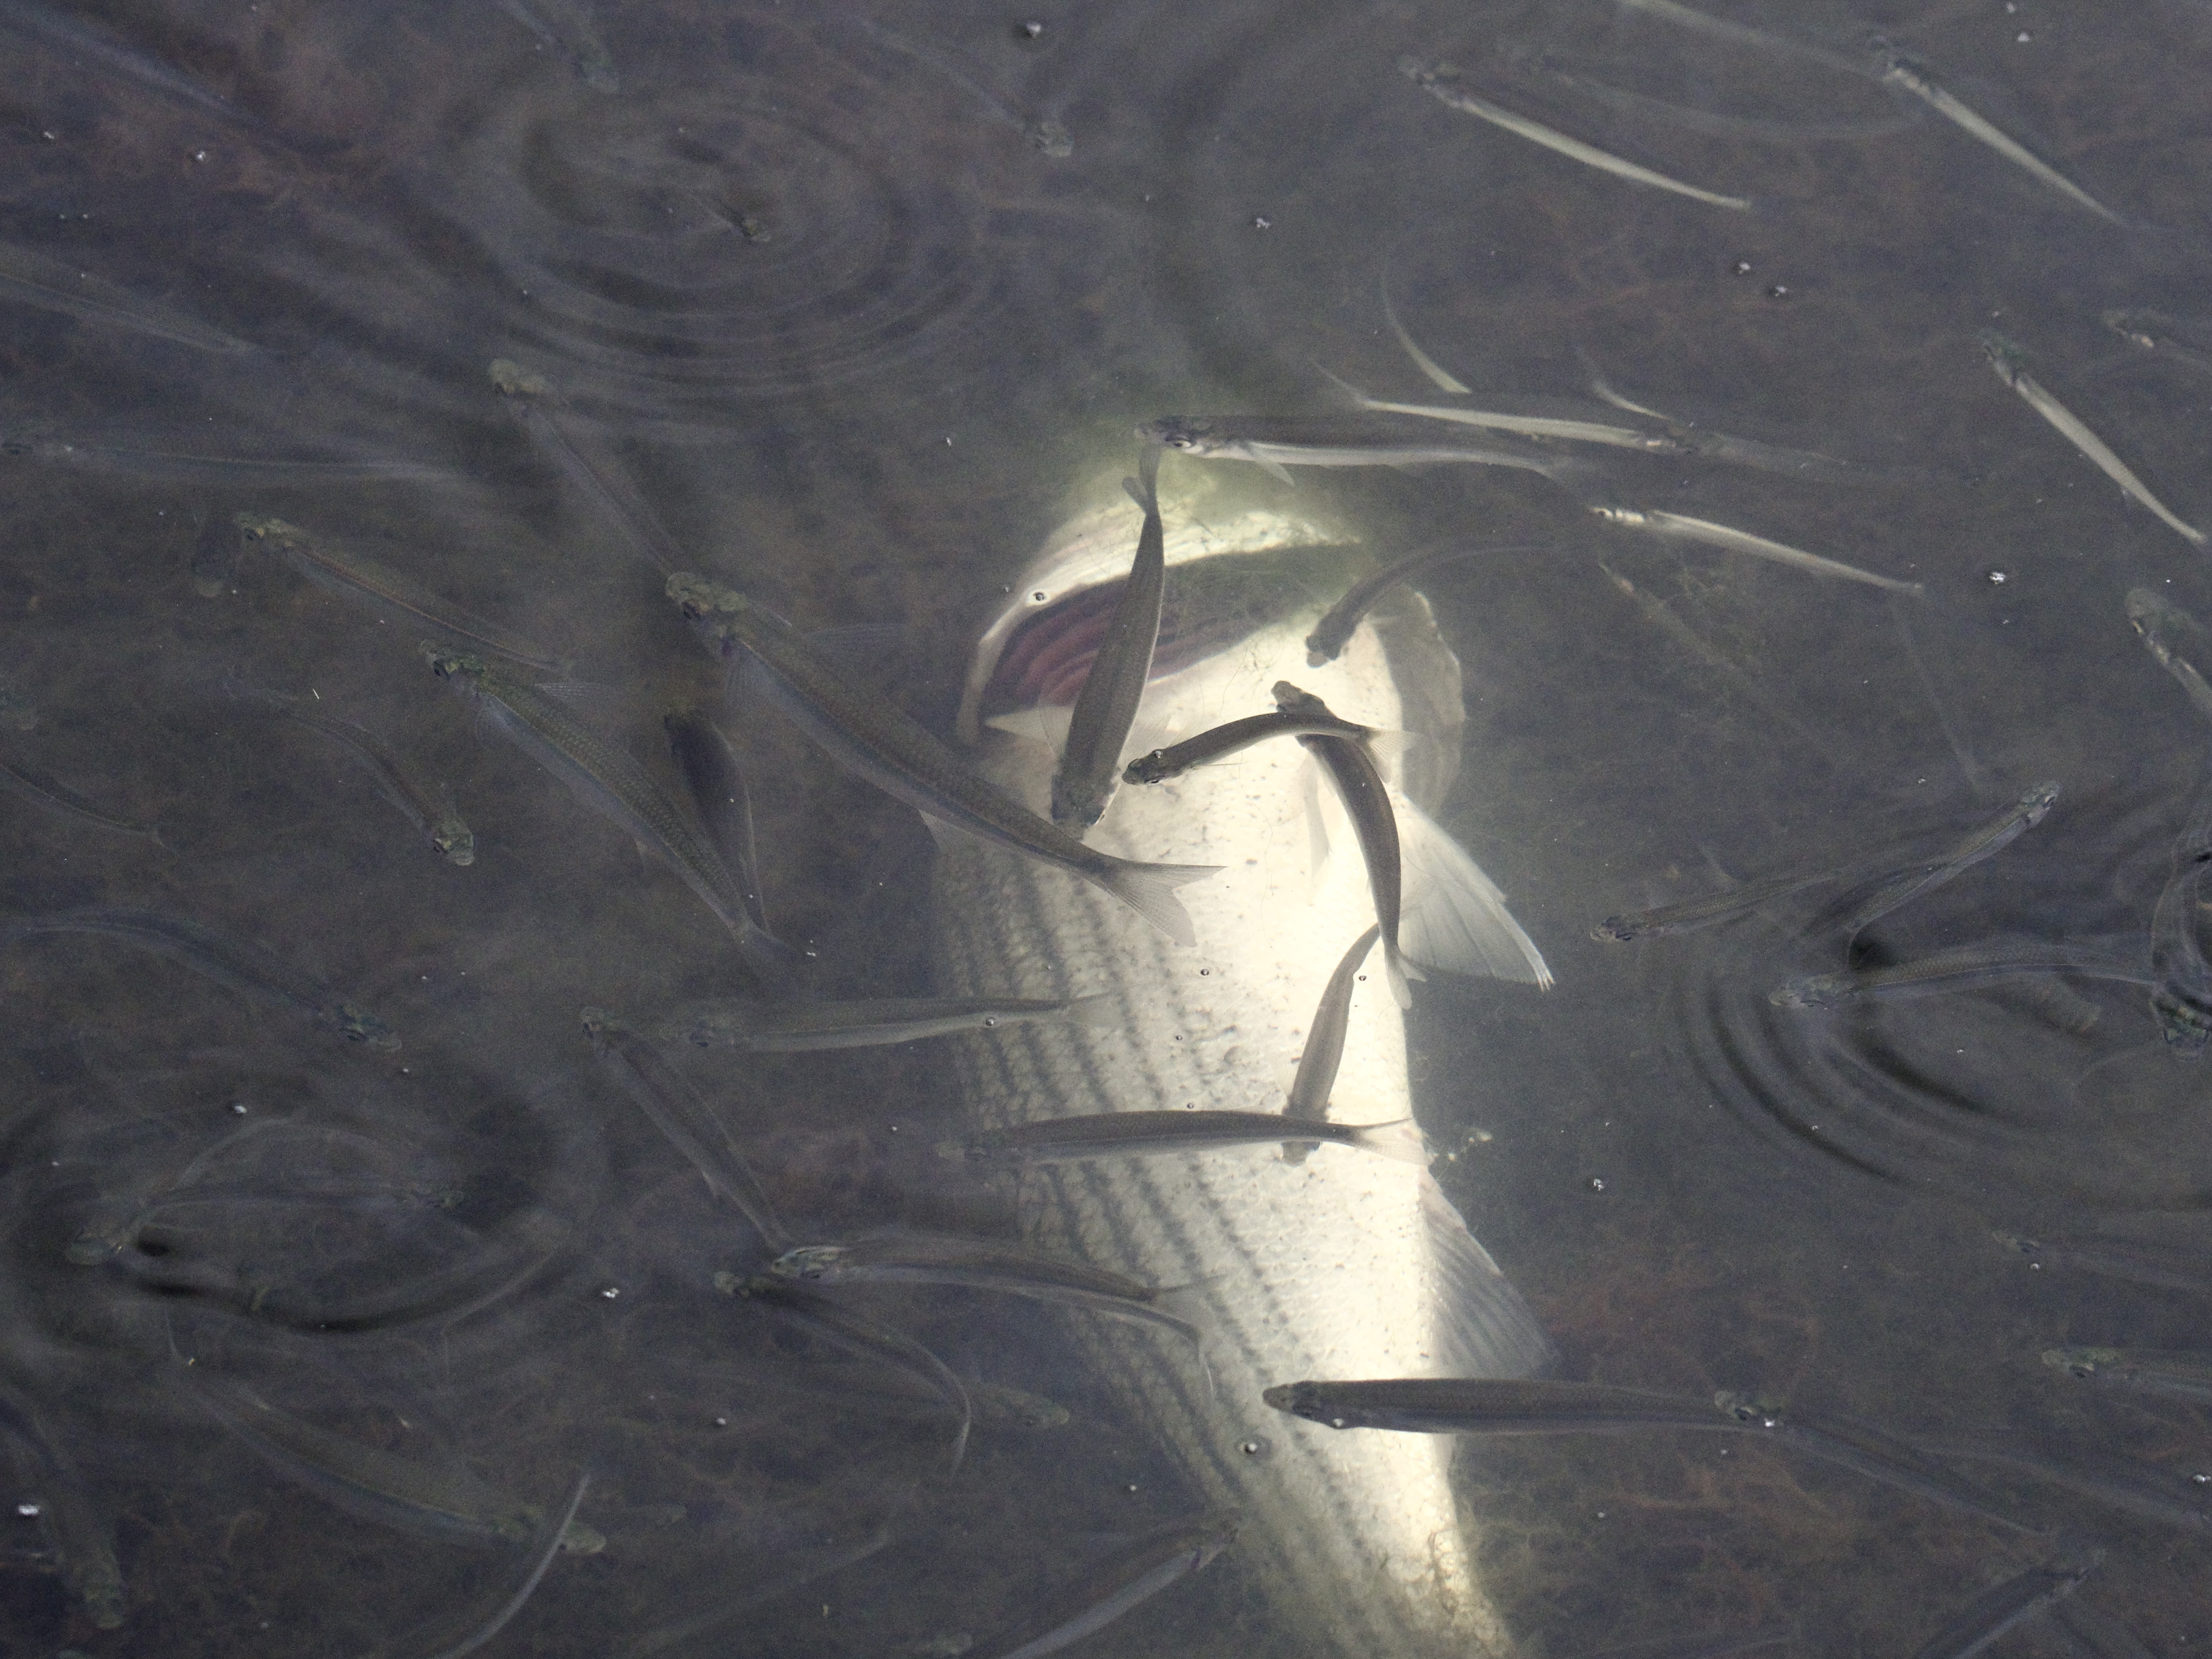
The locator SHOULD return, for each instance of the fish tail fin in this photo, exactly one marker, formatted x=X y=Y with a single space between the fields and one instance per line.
x=1397 y=970
x=1094 y=1010
x=774 y=962
x=1483 y=1327
x=1453 y=917
x=1149 y=890
x=1401 y=1140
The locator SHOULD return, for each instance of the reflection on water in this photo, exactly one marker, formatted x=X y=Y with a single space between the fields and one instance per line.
x=330 y=330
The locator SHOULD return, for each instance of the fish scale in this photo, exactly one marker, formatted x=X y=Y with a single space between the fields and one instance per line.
x=1346 y=1264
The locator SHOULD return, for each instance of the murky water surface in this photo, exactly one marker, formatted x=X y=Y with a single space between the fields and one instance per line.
x=311 y=1339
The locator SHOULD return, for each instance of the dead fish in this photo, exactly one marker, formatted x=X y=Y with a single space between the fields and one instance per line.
x=1280 y=442
x=2167 y=630
x=1676 y=527
x=1315 y=1080
x=1488 y=1407
x=582 y=457
x=1147 y=1134
x=1125 y=1579
x=1359 y=786
x=33 y=279
x=1341 y=620
x=1106 y=707
x=843 y=1327
x=1986 y=840
x=1998 y=1610
x=1437 y=80
x=717 y=787
x=865 y=733
x=692 y=1126
x=360 y=577
x=615 y=784
x=792 y=1027
x=241 y=965
x=1227 y=738
x=1898 y=70
x=2010 y=359
x=982 y=1264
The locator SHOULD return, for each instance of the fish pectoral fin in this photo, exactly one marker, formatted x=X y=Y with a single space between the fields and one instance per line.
x=949 y=837
x=1453 y=916
x=1277 y=468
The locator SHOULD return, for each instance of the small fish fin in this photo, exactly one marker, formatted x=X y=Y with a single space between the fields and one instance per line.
x=1286 y=1073
x=1483 y=1327
x=1453 y=917
x=1149 y=890
x=1100 y=1009
x=1358 y=397
x=1278 y=469
x=1316 y=826
x=1401 y=1140
x=949 y=837
x=1047 y=725
x=1396 y=970
x=863 y=649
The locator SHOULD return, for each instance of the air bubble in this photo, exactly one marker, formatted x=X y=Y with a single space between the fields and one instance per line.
x=1595 y=1183
x=1999 y=578
x=26 y=1510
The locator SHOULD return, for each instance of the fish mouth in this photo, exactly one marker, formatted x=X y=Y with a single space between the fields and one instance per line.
x=1237 y=574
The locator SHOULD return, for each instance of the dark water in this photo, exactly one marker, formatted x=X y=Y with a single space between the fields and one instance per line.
x=819 y=282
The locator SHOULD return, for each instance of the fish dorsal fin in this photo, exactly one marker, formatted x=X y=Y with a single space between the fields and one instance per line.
x=1483 y=1327
x=1453 y=917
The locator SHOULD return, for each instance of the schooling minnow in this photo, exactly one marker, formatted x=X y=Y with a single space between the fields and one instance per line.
x=1106 y=707
x=1227 y=738
x=794 y=1026
x=1280 y=442
x=1143 y=1134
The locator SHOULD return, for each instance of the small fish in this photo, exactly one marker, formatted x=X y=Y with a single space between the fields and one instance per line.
x=445 y=1502
x=1125 y=1579
x=717 y=787
x=2116 y=1258
x=793 y=1027
x=1280 y=442
x=69 y=38
x=32 y=278
x=982 y=1264
x=1998 y=1610
x=238 y=963
x=843 y=1327
x=1041 y=130
x=1106 y=707
x=2170 y=1375
x=436 y=818
x=999 y=1404
x=1438 y=375
x=230 y=471
x=865 y=734
x=1714 y=124
x=1435 y=79
x=610 y=781
x=68 y=1516
x=1739 y=35
x=1149 y=1134
x=2149 y=332
x=1946 y=972
x=2131 y=1487
x=1341 y=620
x=1694 y=914
x=1351 y=767
x=565 y=26
x=556 y=1535
x=1488 y=1407
x=2097 y=1635
x=1676 y=527
x=1227 y=738
x=214 y=559
x=1643 y=441
x=692 y=1126
x=581 y=456
x=362 y=577
x=2010 y=359
x=1924 y=876
x=1899 y=71
x=2167 y=630
x=22 y=778
x=2181 y=993
x=1315 y=1080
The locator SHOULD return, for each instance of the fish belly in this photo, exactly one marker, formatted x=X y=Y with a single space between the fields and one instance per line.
x=1344 y=1265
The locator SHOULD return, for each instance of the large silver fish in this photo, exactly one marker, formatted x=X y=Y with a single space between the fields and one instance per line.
x=1337 y=1266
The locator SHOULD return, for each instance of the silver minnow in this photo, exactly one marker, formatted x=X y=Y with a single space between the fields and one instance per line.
x=794 y=1027
x=1345 y=1264
x=1106 y=707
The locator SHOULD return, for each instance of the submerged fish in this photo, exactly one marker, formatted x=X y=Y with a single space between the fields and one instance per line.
x=565 y=26
x=33 y=279
x=436 y=818
x=1326 y=642
x=1226 y=739
x=1438 y=375
x=2170 y=1375
x=1128 y=1578
x=2009 y=359
x=1152 y=1134
x=1437 y=80
x=22 y=779
x=67 y=1515
x=362 y=577
x=238 y=964
x=1106 y=707
x=2181 y=987
x=1354 y=1550
x=1642 y=440
x=1280 y=442
x=1315 y=1081
x=1899 y=71
x=232 y=471
x=2001 y=1607
x=610 y=781
x=2151 y=332
x=1944 y=973
x=2165 y=1268
x=717 y=787
x=2167 y=630
x=68 y=37
x=582 y=457
x=794 y=1027
x=865 y=733
x=1986 y=840
x=1674 y=527
x=1738 y=35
